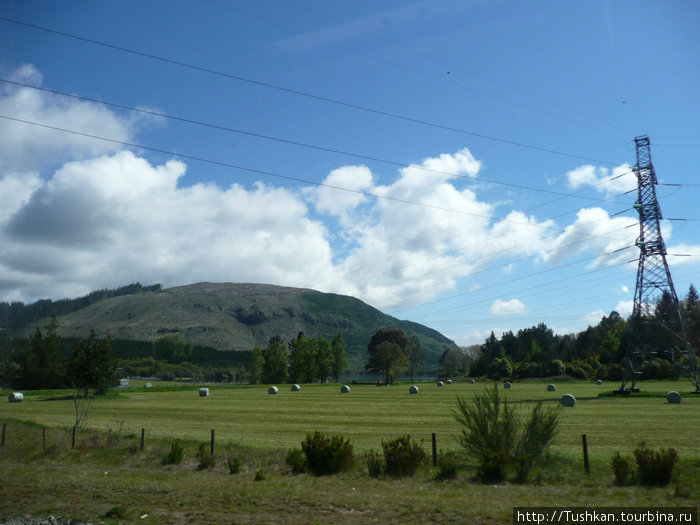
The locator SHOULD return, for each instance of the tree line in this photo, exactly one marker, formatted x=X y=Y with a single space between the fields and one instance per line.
x=594 y=353
x=17 y=315
x=301 y=360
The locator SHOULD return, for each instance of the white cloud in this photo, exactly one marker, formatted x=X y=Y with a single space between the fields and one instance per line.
x=622 y=179
x=509 y=307
x=26 y=147
x=117 y=219
x=624 y=308
x=594 y=231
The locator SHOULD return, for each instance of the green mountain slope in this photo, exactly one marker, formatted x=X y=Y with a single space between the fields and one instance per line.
x=229 y=316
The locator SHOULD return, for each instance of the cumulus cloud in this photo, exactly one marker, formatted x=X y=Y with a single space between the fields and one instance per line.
x=594 y=231
x=26 y=147
x=611 y=183
x=509 y=307
x=117 y=218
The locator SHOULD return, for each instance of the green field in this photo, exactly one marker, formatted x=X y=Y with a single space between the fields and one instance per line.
x=261 y=427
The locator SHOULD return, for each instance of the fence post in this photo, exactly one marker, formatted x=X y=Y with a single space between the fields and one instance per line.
x=434 y=450
x=4 y=426
x=73 y=439
x=212 y=442
x=43 y=438
x=143 y=438
x=585 y=454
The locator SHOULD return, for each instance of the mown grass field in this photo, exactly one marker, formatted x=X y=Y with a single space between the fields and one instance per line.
x=258 y=427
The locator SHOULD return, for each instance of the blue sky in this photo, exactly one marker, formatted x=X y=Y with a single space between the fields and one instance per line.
x=462 y=164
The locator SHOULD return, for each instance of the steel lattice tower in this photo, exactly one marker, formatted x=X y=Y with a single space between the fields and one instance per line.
x=653 y=281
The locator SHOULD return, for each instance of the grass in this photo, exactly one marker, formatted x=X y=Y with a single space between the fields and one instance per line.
x=88 y=481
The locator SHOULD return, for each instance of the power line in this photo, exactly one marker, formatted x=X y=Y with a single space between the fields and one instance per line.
x=305 y=94
x=303 y=144
x=295 y=179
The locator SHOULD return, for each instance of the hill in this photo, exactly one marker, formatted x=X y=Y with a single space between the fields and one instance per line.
x=229 y=316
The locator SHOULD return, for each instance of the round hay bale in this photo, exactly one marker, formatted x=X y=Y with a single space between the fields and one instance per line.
x=296 y=388
x=148 y=385
x=551 y=388
x=507 y=384
x=345 y=389
x=413 y=390
x=568 y=400
x=472 y=381
x=272 y=390
x=673 y=397
x=203 y=392
x=449 y=381
x=598 y=381
x=440 y=383
x=15 y=397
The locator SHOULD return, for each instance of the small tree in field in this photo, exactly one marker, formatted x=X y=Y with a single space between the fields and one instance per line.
x=91 y=370
x=494 y=435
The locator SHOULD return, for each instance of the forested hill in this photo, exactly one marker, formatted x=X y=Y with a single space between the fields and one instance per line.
x=229 y=316
x=17 y=315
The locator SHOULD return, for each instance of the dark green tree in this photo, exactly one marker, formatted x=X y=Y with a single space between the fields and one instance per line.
x=340 y=356
x=415 y=356
x=40 y=363
x=323 y=358
x=91 y=371
x=172 y=348
x=302 y=363
x=256 y=363
x=276 y=361
x=387 y=352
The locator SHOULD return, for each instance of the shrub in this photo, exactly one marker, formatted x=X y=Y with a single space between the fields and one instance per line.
x=206 y=460
x=447 y=465
x=115 y=513
x=259 y=475
x=297 y=460
x=493 y=434
x=234 y=464
x=374 y=464
x=622 y=470
x=403 y=456
x=655 y=467
x=176 y=454
x=326 y=454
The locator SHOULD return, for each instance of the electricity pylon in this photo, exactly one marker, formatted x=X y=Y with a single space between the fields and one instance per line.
x=653 y=282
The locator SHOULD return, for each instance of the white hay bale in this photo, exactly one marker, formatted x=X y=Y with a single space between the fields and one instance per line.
x=440 y=383
x=296 y=388
x=673 y=397
x=148 y=385
x=345 y=389
x=507 y=384
x=449 y=381
x=124 y=382
x=551 y=388
x=568 y=400
x=413 y=390
x=272 y=390
x=203 y=392
x=472 y=381
x=15 y=397
x=598 y=381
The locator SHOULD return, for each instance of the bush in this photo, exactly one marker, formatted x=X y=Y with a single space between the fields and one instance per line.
x=234 y=464
x=206 y=460
x=447 y=465
x=374 y=464
x=655 y=467
x=296 y=460
x=259 y=475
x=403 y=456
x=326 y=454
x=176 y=454
x=493 y=434
x=622 y=470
